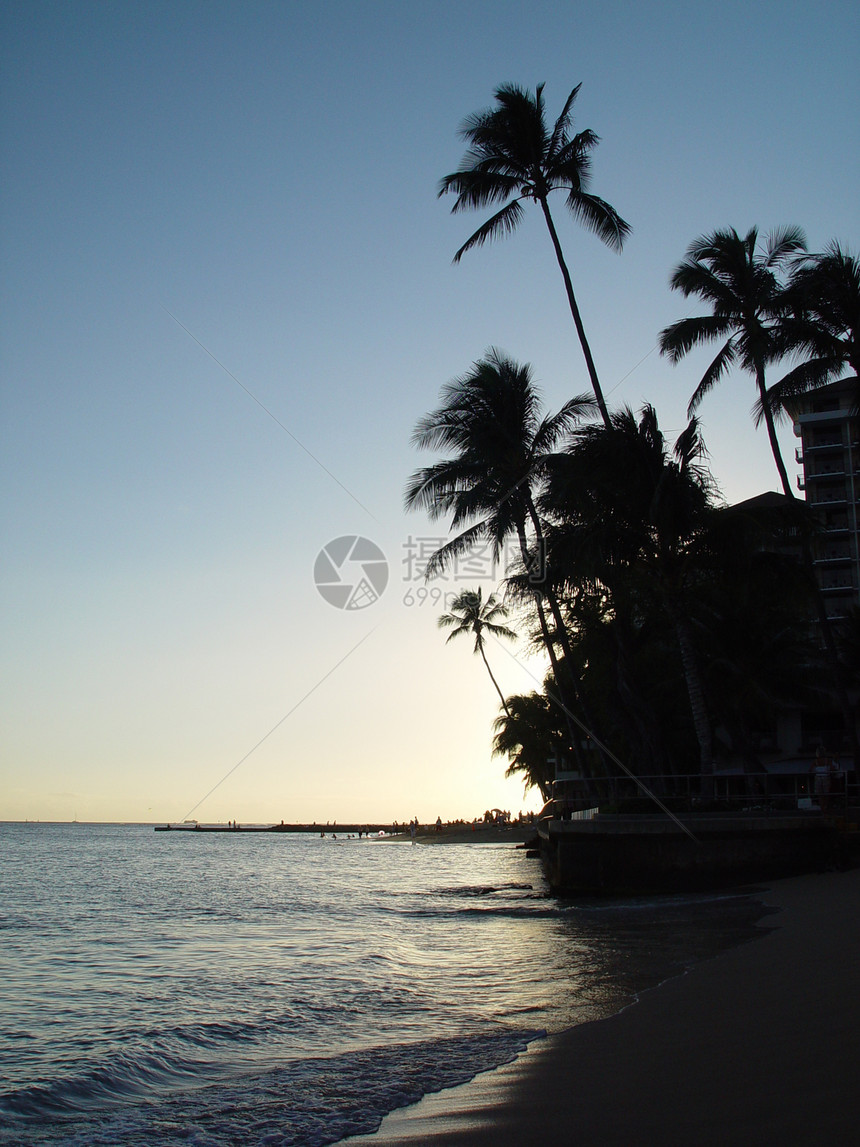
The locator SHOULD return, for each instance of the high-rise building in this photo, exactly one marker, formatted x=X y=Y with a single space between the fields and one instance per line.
x=827 y=423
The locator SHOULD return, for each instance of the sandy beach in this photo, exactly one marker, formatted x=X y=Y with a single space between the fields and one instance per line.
x=760 y=1045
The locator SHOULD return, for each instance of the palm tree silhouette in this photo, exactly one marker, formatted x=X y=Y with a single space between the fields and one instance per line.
x=822 y=323
x=512 y=157
x=532 y=737
x=741 y=285
x=469 y=613
x=630 y=516
x=490 y=418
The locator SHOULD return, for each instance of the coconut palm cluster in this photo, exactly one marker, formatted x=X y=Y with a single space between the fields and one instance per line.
x=675 y=627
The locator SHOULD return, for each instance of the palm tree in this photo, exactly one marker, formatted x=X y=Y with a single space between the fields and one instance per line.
x=741 y=285
x=513 y=157
x=490 y=418
x=822 y=323
x=469 y=613
x=532 y=736
x=630 y=516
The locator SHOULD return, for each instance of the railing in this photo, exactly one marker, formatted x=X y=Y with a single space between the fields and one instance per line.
x=746 y=792
x=834 y=442
x=836 y=498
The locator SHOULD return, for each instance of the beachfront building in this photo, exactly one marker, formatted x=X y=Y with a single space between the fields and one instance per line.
x=828 y=427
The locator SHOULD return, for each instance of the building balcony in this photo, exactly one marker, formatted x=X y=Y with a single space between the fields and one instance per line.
x=835 y=557
x=820 y=418
x=823 y=475
x=833 y=472
x=823 y=440
x=828 y=500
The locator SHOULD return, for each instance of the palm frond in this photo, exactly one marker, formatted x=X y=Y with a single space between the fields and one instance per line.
x=554 y=426
x=806 y=376
x=437 y=488
x=571 y=165
x=596 y=215
x=723 y=248
x=476 y=186
x=689 y=446
x=562 y=124
x=783 y=243
x=459 y=545
x=724 y=358
x=680 y=338
x=693 y=277
x=502 y=223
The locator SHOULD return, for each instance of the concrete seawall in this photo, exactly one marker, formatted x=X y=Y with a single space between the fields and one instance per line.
x=615 y=853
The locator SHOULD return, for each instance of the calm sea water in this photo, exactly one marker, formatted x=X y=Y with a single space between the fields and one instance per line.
x=277 y=989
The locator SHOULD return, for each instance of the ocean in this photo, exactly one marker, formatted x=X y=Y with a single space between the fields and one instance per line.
x=279 y=989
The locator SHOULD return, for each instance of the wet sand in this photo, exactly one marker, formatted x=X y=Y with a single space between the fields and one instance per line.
x=759 y=1045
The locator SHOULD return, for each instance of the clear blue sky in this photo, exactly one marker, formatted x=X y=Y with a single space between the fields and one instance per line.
x=265 y=174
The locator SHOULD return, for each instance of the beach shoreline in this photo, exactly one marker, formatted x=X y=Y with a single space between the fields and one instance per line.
x=513 y=834
x=758 y=1044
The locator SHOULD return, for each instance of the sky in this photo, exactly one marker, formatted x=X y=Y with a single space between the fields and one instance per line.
x=228 y=296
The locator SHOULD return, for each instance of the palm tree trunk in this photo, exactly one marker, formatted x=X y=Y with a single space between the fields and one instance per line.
x=494 y=681
x=771 y=432
x=561 y=634
x=550 y=648
x=574 y=310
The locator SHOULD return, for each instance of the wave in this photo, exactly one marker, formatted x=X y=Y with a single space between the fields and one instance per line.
x=125 y=1078
x=537 y=910
x=469 y=890
x=308 y=1102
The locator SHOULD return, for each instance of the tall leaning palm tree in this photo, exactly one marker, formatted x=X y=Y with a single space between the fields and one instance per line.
x=513 y=157
x=469 y=613
x=741 y=284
